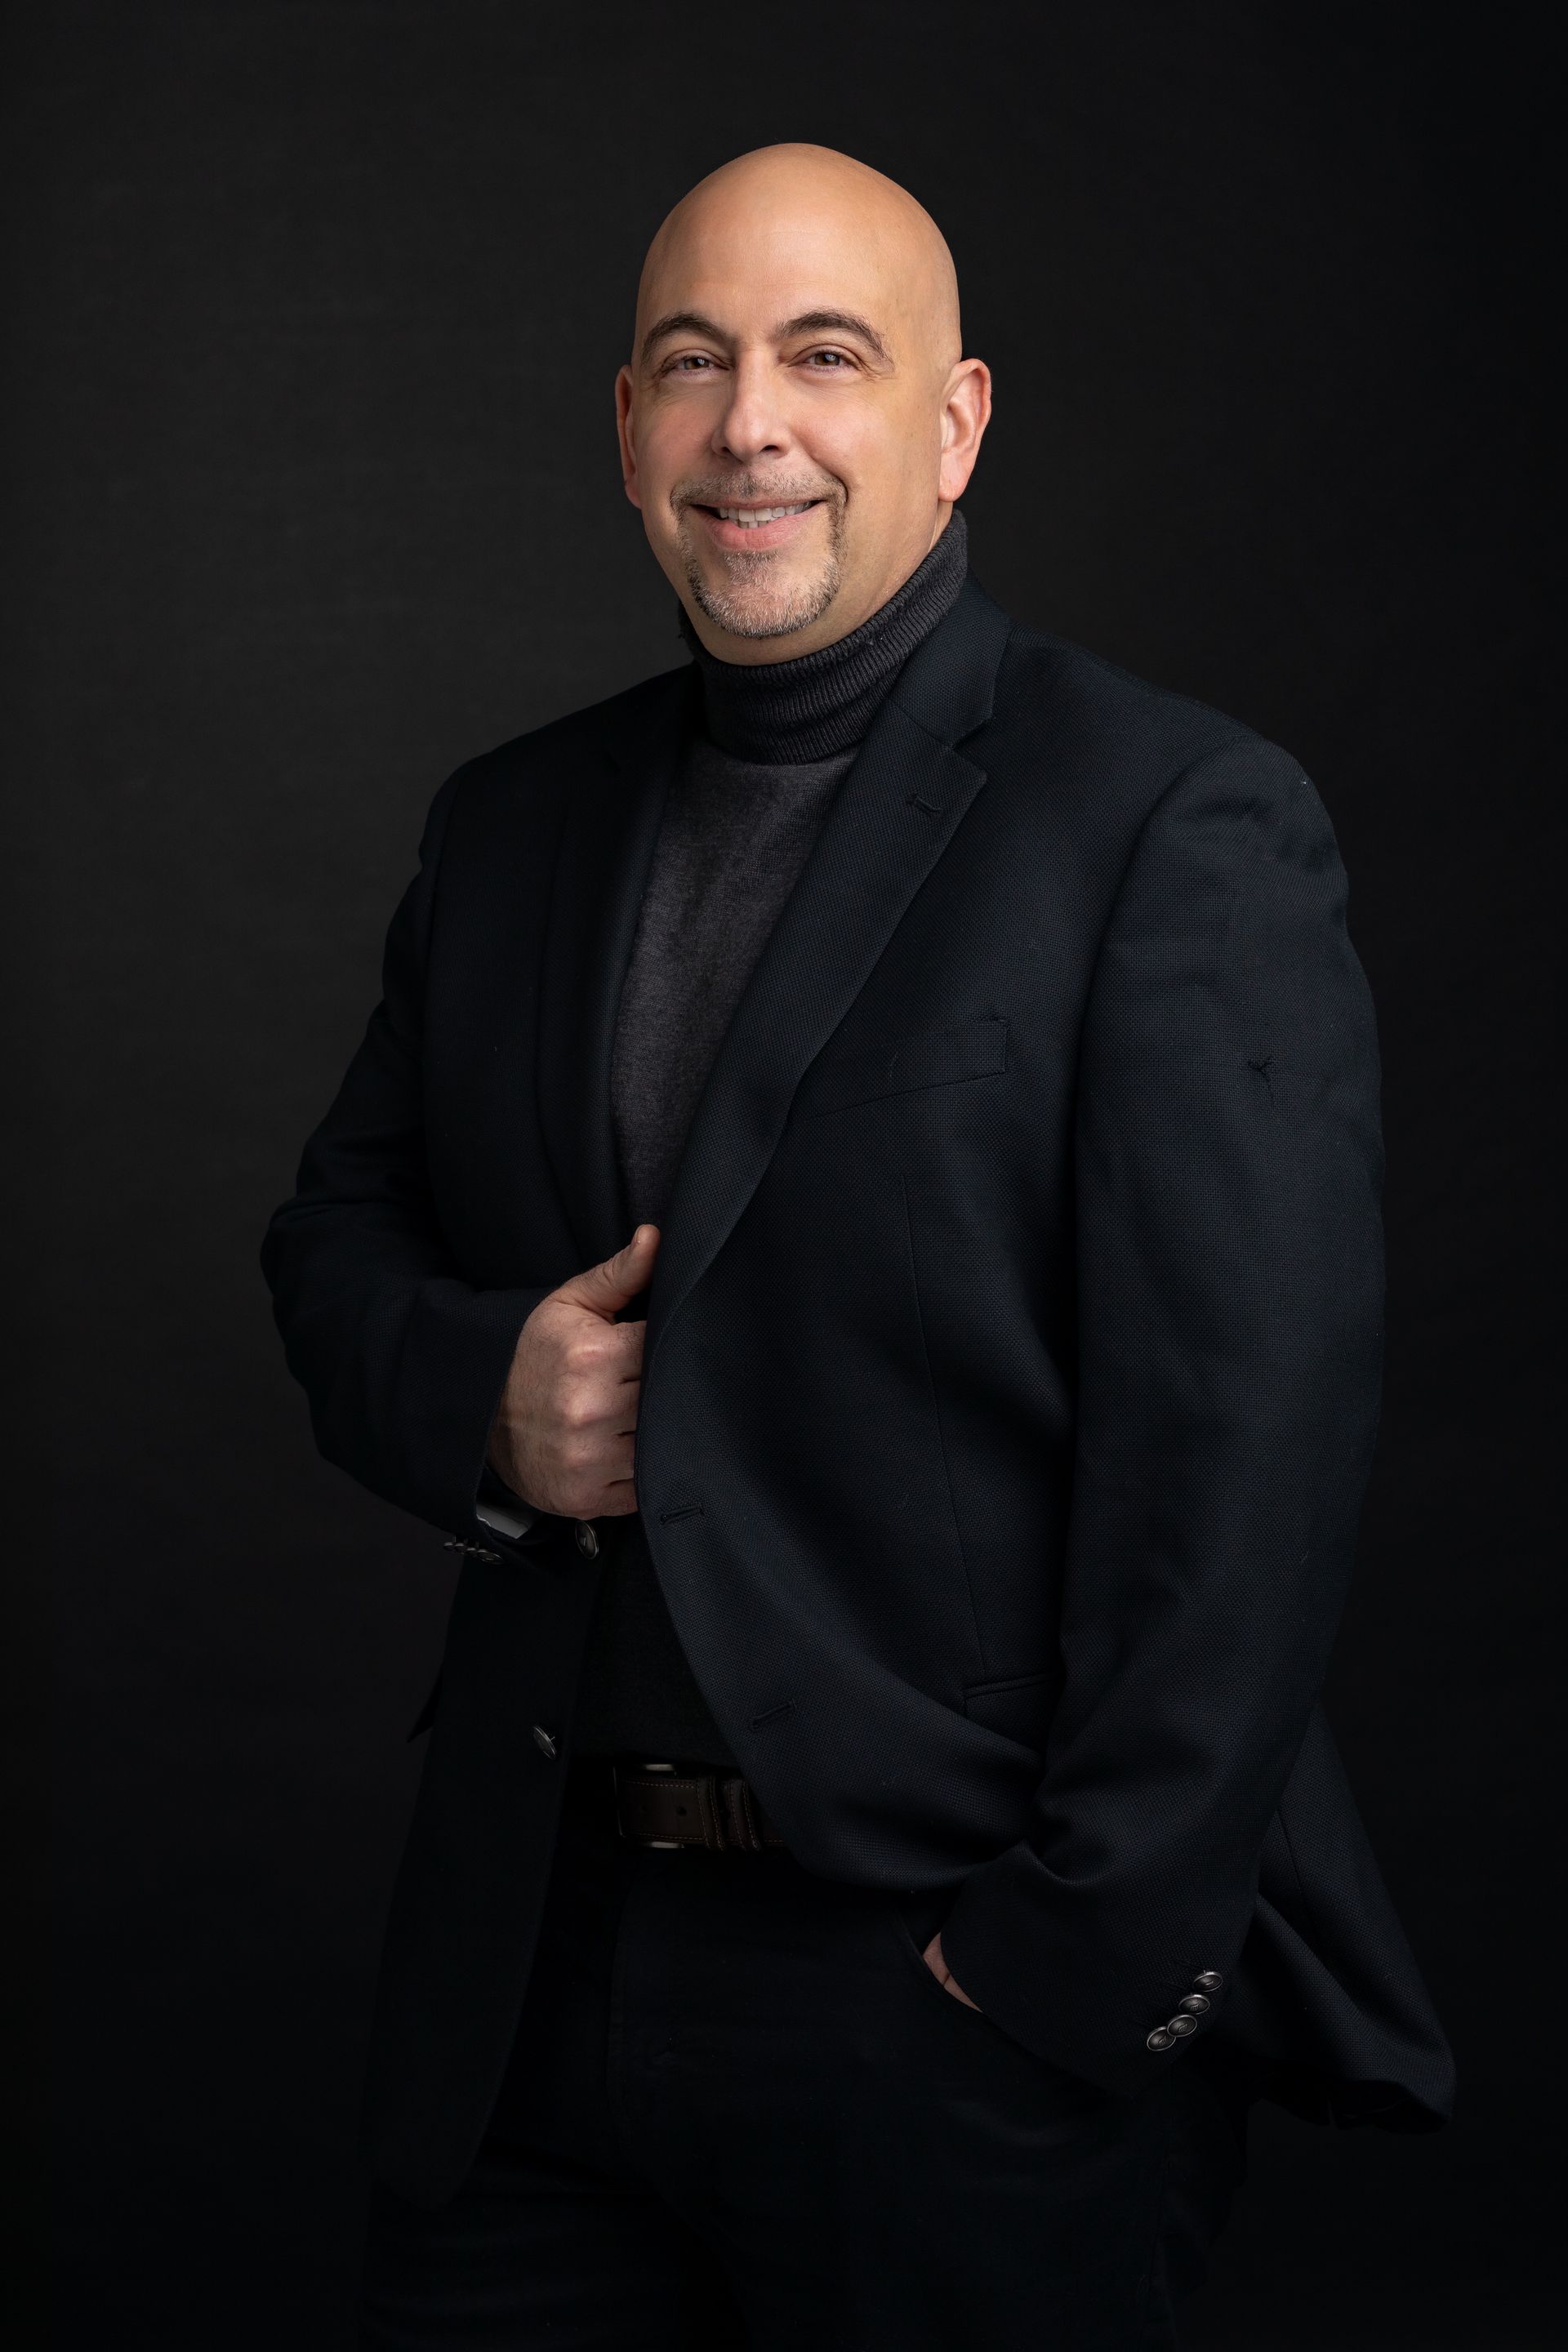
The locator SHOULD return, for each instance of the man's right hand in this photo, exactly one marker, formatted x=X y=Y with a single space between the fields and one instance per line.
x=562 y=1435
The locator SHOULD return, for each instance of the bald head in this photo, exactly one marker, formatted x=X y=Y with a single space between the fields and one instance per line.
x=819 y=209
x=797 y=347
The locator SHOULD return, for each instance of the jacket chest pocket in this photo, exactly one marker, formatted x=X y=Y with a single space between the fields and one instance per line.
x=929 y=1058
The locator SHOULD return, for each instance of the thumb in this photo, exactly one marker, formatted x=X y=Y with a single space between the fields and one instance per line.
x=613 y=1283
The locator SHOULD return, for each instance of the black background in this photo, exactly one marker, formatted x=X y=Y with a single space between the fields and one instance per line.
x=311 y=453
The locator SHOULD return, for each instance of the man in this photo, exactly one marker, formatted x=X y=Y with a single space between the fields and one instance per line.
x=879 y=1833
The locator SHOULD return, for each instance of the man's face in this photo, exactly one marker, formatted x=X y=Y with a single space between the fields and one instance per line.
x=783 y=420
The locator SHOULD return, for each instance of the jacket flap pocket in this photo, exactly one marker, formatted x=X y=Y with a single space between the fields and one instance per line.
x=1019 y=1707
x=930 y=1058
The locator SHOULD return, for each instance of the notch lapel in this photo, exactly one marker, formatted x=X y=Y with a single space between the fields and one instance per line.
x=892 y=816
x=609 y=830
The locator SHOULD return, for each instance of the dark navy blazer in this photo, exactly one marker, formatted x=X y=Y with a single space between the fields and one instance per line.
x=1011 y=1368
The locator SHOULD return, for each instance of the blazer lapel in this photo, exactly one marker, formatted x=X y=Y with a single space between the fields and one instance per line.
x=609 y=831
x=892 y=816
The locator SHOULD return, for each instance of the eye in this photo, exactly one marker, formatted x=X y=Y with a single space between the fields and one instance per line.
x=829 y=363
x=686 y=363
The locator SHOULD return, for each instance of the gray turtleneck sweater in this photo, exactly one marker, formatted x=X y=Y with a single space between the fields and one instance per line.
x=744 y=808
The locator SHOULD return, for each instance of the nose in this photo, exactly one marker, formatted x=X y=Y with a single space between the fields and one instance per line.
x=753 y=424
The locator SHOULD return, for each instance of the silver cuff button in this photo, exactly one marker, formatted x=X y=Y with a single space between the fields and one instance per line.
x=1161 y=2039
x=543 y=1740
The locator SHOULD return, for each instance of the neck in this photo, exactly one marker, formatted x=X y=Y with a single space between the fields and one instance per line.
x=822 y=703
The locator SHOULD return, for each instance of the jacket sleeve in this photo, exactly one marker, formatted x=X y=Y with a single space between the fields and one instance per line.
x=1228 y=1171
x=404 y=1361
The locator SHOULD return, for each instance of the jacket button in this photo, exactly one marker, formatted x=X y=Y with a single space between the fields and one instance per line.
x=1209 y=1981
x=1161 y=2039
x=1196 y=2001
x=543 y=1740
x=588 y=1541
x=1180 y=2025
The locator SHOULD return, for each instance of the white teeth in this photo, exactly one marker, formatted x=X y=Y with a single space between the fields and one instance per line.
x=749 y=519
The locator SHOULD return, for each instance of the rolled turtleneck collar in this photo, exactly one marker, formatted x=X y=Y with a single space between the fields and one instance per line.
x=822 y=703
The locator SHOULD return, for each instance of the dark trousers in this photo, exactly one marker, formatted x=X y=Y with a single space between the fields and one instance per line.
x=741 y=2113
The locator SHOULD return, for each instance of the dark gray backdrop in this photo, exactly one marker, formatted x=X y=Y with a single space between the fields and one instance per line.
x=312 y=455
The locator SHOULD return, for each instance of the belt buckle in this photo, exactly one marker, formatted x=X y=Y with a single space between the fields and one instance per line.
x=723 y=1806
x=663 y=1845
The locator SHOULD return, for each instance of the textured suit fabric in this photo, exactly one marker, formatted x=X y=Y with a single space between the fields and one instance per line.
x=1011 y=1371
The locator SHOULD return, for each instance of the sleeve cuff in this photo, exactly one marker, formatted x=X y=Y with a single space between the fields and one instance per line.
x=1088 y=1999
x=505 y=1523
x=506 y=1515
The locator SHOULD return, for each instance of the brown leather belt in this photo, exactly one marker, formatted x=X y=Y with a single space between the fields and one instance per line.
x=659 y=1804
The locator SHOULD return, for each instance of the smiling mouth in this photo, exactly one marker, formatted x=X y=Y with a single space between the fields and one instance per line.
x=749 y=518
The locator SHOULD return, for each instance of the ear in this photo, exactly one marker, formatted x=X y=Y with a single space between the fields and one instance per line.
x=966 y=413
x=623 y=432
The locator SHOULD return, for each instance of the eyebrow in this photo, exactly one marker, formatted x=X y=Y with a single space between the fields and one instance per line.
x=809 y=322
